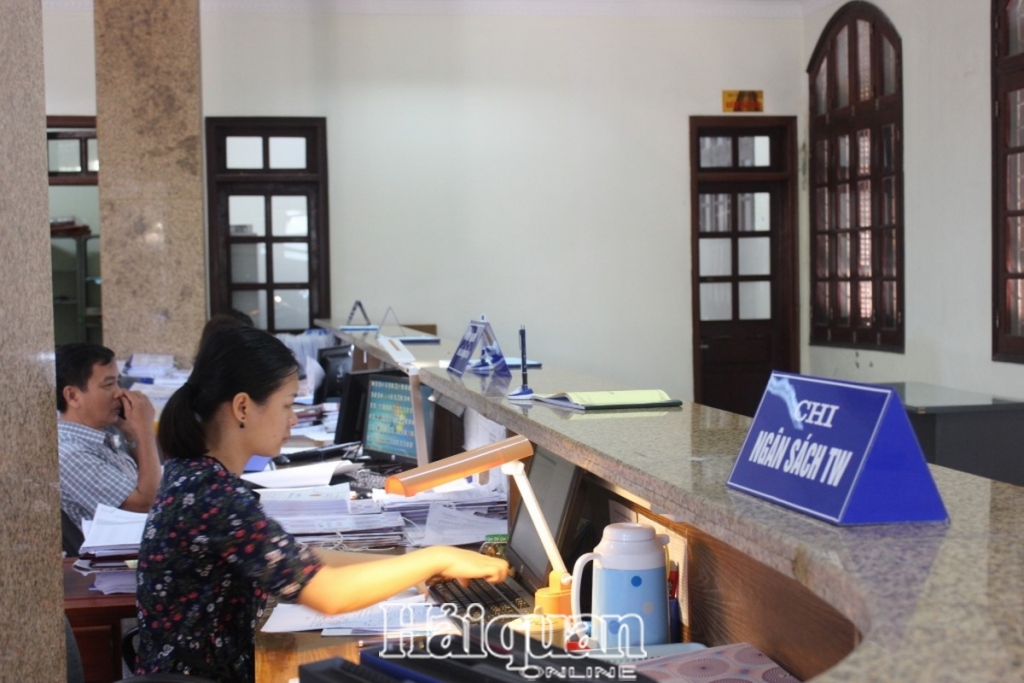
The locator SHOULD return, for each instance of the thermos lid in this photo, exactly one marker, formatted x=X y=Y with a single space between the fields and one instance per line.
x=629 y=532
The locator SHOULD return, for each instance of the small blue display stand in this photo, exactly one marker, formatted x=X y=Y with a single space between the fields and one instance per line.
x=492 y=361
x=352 y=326
x=839 y=451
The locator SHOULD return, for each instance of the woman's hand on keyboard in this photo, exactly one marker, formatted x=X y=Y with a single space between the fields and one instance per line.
x=344 y=589
x=468 y=564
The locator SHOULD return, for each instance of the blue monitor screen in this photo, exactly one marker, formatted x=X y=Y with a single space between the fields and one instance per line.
x=390 y=427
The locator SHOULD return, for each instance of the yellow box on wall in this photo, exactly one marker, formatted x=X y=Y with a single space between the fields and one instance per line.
x=742 y=100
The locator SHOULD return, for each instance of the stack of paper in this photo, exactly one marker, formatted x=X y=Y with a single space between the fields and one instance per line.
x=325 y=515
x=314 y=500
x=352 y=532
x=315 y=474
x=150 y=365
x=115 y=582
x=113 y=532
x=308 y=416
x=486 y=501
x=111 y=547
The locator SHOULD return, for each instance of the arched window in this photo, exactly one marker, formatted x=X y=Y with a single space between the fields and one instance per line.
x=856 y=182
x=1008 y=179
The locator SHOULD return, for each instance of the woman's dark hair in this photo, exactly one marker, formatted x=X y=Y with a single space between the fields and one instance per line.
x=219 y=322
x=231 y=361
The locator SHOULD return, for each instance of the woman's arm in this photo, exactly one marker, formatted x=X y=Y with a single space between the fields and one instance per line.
x=355 y=586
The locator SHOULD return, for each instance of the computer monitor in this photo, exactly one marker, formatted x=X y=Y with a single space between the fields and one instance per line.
x=336 y=362
x=352 y=405
x=389 y=432
x=556 y=483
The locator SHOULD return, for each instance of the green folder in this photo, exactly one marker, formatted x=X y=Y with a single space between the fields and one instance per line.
x=610 y=400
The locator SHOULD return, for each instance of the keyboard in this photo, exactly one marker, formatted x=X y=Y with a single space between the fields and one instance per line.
x=318 y=454
x=496 y=599
x=336 y=669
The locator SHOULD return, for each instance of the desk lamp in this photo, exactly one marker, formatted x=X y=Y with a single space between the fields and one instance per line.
x=555 y=599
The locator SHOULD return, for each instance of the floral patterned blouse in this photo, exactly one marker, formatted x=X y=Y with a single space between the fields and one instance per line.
x=209 y=559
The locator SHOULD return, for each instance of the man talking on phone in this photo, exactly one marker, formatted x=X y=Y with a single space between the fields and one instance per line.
x=105 y=436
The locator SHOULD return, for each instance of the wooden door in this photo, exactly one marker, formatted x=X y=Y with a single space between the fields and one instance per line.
x=744 y=261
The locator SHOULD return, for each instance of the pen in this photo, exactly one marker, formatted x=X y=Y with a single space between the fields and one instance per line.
x=522 y=349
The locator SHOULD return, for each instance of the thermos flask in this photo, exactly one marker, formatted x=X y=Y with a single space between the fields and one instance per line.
x=630 y=587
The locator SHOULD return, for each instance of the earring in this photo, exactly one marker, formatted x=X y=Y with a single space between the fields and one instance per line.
x=241 y=425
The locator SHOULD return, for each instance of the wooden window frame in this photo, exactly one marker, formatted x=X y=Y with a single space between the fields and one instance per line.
x=82 y=128
x=314 y=129
x=1007 y=76
x=880 y=110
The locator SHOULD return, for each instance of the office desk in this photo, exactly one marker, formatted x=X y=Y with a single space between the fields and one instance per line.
x=96 y=622
x=967 y=431
x=279 y=655
x=930 y=602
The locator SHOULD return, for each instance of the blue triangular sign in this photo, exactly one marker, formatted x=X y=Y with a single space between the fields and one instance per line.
x=895 y=483
x=479 y=335
x=839 y=451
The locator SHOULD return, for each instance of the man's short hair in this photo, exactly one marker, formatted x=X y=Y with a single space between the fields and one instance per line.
x=74 y=366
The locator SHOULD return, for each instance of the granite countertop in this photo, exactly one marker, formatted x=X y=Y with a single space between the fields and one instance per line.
x=934 y=602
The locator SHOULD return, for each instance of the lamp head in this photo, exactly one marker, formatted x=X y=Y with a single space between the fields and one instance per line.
x=426 y=477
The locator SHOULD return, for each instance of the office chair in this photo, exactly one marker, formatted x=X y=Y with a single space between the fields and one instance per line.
x=76 y=672
x=130 y=647
x=71 y=536
x=129 y=650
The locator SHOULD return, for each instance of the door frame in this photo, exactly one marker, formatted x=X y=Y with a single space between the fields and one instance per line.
x=786 y=172
x=218 y=175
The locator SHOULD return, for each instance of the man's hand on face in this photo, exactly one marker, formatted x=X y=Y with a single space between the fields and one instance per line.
x=137 y=416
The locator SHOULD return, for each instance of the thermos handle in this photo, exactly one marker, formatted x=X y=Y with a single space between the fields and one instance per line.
x=577 y=572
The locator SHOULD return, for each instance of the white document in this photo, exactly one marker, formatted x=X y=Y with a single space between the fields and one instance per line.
x=114 y=529
x=448 y=526
x=314 y=372
x=115 y=582
x=314 y=432
x=316 y=474
x=340 y=523
x=313 y=494
x=288 y=618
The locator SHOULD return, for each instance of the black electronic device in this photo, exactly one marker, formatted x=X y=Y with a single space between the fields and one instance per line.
x=557 y=484
x=336 y=362
x=352 y=404
x=495 y=654
x=338 y=670
x=389 y=426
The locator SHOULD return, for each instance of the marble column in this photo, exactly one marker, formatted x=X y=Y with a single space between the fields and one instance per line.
x=149 y=130
x=31 y=592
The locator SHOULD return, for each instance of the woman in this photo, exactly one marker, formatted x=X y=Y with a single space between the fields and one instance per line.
x=210 y=557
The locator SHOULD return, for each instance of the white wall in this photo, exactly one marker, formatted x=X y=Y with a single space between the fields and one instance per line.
x=531 y=168
x=948 y=195
x=535 y=169
x=69 y=62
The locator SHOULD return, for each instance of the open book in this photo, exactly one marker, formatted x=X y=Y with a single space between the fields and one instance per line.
x=609 y=400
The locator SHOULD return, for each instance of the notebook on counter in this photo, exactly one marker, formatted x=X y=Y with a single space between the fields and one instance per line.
x=610 y=400
x=735 y=663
